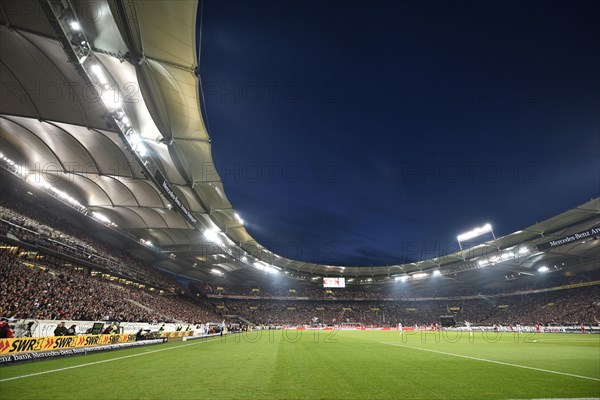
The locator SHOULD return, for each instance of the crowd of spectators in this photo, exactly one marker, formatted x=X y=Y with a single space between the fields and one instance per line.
x=572 y=306
x=48 y=288
x=36 y=227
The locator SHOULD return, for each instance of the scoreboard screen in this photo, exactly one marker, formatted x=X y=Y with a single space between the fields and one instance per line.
x=334 y=282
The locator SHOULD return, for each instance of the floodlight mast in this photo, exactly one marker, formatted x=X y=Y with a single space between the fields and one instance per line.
x=487 y=228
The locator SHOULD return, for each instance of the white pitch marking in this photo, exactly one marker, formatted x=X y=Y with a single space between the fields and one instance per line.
x=494 y=361
x=100 y=362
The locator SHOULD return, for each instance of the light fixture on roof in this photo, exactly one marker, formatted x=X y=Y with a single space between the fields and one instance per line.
x=487 y=228
x=75 y=25
x=401 y=278
x=216 y=272
x=134 y=138
x=420 y=275
x=543 y=269
x=437 y=272
x=99 y=74
x=240 y=220
x=110 y=99
x=141 y=150
x=265 y=267
x=212 y=235
x=101 y=217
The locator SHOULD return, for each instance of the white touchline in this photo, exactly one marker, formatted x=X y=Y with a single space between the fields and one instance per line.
x=493 y=361
x=100 y=362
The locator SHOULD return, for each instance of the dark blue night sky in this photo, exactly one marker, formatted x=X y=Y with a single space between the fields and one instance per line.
x=372 y=133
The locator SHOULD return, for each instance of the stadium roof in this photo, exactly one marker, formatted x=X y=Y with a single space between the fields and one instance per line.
x=101 y=108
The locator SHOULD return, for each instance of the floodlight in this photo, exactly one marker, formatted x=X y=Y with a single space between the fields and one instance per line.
x=240 y=220
x=141 y=149
x=543 y=269
x=75 y=25
x=101 y=217
x=474 y=233
x=212 y=235
x=110 y=101
x=437 y=272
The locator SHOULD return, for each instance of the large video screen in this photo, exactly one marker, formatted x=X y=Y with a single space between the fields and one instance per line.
x=334 y=282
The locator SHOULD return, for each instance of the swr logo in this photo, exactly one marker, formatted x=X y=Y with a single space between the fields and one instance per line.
x=63 y=342
x=22 y=345
x=92 y=340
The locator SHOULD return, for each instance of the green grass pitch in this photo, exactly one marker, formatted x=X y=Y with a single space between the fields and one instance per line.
x=324 y=365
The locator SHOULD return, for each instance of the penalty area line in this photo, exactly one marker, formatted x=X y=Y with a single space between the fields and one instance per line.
x=100 y=362
x=494 y=361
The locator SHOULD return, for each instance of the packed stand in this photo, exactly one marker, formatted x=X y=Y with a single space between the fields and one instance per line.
x=36 y=227
x=569 y=307
x=47 y=289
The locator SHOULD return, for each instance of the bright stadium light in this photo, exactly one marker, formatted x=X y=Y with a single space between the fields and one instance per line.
x=474 y=233
x=75 y=26
x=134 y=139
x=141 y=150
x=437 y=272
x=97 y=70
x=401 y=278
x=212 y=235
x=101 y=217
x=487 y=228
x=216 y=272
x=110 y=99
x=240 y=220
x=265 y=267
x=543 y=269
x=40 y=182
x=419 y=275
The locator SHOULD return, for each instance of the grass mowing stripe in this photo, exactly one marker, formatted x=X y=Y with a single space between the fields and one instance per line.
x=102 y=361
x=494 y=361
